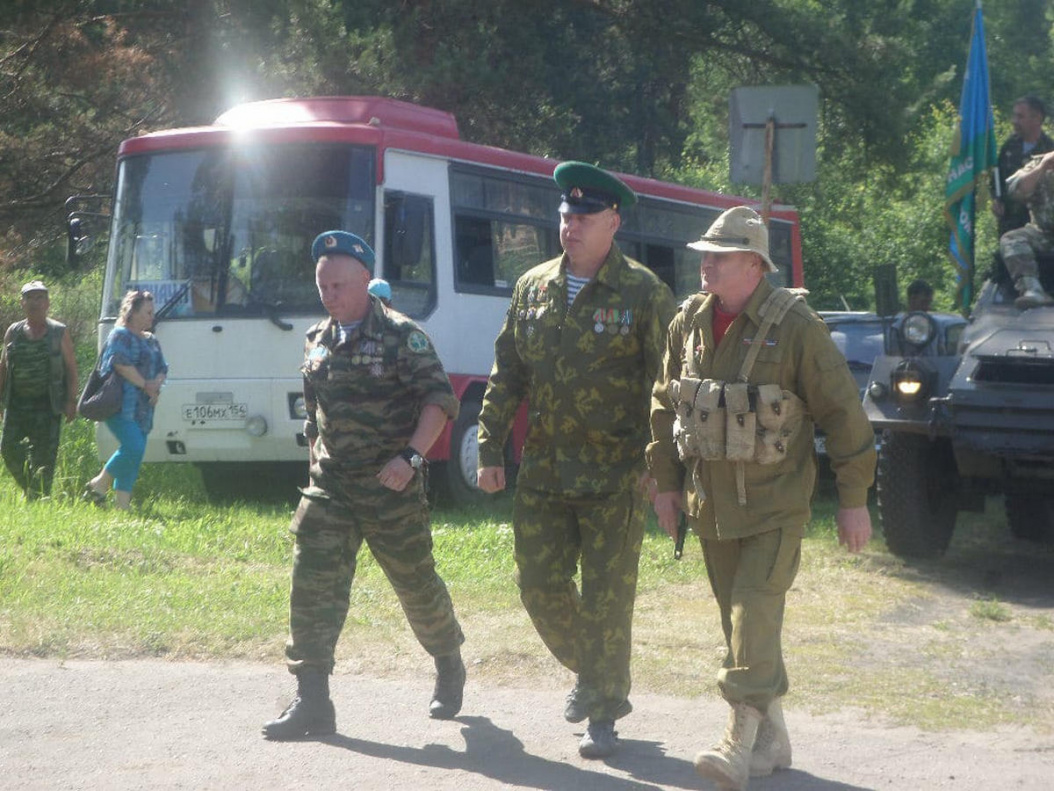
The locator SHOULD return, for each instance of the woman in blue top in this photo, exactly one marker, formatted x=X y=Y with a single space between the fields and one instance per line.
x=133 y=351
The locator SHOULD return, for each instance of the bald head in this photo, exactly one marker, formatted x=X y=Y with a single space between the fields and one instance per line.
x=342 y=286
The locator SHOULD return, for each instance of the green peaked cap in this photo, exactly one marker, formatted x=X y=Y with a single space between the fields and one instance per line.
x=587 y=189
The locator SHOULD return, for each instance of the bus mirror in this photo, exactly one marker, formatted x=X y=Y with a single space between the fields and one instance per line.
x=74 y=239
x=78 y=232
x=887 y=301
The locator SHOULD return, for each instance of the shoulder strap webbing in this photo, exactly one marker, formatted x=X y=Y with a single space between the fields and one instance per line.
x=772 y=311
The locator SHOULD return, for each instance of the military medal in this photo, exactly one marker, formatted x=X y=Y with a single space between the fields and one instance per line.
x=376 y=369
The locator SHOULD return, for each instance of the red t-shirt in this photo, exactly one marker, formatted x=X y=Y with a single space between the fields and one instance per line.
x=722 y=321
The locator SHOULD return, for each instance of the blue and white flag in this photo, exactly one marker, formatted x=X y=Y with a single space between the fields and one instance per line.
x=973 y=153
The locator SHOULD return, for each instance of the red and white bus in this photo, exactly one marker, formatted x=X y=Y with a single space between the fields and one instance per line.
x=217 y=221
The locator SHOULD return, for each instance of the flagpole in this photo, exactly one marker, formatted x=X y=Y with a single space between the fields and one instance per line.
x=973 y=153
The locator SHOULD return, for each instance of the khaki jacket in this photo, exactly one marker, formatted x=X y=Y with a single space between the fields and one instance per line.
x=798 y=355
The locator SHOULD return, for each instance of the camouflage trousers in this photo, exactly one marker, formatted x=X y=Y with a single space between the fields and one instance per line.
x=1019 y=248
x=328 y=536
x=590 y=633
x=750 y=578
x=30 y=446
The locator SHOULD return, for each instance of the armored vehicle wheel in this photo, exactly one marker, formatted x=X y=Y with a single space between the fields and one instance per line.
x=1031 y=516
x=916 y=494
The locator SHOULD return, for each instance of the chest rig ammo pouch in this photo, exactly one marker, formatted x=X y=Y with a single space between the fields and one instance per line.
x=736 y=421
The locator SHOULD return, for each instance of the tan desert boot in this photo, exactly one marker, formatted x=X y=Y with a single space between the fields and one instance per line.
x=772 y=748
x=728 y=764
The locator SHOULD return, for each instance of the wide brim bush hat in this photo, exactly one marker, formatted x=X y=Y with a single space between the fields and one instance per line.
x=737 y=229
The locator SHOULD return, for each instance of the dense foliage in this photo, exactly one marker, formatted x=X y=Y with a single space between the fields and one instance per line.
x=637 y=85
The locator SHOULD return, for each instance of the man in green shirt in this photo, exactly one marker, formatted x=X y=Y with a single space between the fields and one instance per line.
x=747 y=371
x=582 y=342
x=38 y=383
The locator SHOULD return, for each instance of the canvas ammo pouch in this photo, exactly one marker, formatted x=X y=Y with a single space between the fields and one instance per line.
x=699 y=428
x=737 y=421
x=780 y=414
x=734 y=422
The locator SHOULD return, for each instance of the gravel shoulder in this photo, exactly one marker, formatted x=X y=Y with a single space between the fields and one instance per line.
x=182 y=725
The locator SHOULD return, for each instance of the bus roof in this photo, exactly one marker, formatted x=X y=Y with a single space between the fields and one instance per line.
x=386 y=124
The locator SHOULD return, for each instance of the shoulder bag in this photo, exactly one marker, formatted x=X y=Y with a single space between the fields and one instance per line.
x=102 y=395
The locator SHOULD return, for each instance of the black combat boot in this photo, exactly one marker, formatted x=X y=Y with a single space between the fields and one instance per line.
x=450 y=687
x=310 y=714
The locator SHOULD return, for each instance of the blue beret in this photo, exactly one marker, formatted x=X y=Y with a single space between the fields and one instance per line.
x=330 y=242
x=380 y=288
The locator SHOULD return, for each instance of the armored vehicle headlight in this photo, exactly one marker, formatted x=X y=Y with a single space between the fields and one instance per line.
x=910 y=383
x=918 y=329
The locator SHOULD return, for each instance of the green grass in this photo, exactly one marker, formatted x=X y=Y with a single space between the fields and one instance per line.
x=182 y=578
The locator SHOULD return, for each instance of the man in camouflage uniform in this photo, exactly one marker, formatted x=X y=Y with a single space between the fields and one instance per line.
x=377 y=398
x=1028 y=140
x=758 y=367
x=1033 y=185
x=582 y=341
x=38 y=380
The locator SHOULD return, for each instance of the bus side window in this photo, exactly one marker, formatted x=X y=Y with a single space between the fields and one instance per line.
x=474 y=252
x=660 y=260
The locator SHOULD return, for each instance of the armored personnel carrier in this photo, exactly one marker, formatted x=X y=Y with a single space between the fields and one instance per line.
x=959 y=424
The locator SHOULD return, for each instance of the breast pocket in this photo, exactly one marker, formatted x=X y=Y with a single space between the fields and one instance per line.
x=768 y=366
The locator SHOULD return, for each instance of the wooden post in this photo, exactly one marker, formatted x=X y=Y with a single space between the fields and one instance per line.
x=766 y=181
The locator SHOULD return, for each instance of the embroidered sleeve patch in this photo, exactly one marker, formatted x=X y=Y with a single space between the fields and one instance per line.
x=418 y=342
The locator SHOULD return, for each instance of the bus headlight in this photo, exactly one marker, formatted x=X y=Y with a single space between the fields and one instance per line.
x=256 y=426
x=297 y=406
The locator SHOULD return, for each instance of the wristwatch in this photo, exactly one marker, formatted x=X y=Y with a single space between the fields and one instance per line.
x=412 y=457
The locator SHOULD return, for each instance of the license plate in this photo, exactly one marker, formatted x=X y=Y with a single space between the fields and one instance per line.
x=203 y=414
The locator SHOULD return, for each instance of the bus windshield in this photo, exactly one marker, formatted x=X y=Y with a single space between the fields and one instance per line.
x=229 y=230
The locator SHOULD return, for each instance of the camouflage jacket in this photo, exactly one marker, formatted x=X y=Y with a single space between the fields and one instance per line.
x=1041 y=201
x=586 y=370
x=36 y=370
x=798 y=355
x=364 y=397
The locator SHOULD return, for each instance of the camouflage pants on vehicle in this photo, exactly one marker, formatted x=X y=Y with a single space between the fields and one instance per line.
x=590 y=633
x=329 y=535
x=30 y=446
x=1020 y=248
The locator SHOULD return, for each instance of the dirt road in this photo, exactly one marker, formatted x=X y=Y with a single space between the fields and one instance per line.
x=170 y=725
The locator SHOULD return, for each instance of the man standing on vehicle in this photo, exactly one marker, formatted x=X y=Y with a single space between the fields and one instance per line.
x=748 y=368
x=376 y=398
x=1033 y=185
x=38 y=383
x=582 y=342
x=1028 y=140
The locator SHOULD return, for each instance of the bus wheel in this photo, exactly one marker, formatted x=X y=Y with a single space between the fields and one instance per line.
x=458 y=475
